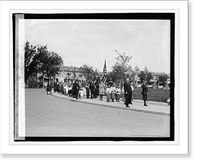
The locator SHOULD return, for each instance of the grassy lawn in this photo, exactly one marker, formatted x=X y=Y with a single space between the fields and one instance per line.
x=160 y=95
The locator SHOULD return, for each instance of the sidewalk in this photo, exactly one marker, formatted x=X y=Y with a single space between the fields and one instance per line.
x=153 y=107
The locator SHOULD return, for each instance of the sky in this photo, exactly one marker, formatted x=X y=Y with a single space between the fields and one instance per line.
x=92 y=41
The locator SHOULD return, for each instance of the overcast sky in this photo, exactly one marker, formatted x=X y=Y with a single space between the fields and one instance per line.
x=91 y=42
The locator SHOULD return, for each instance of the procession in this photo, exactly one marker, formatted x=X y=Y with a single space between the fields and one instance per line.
x=112 y=92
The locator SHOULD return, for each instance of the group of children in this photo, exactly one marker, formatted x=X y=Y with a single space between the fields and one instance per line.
x=113 y=93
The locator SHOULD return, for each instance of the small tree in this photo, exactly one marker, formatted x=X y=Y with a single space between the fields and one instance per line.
x=122 y=62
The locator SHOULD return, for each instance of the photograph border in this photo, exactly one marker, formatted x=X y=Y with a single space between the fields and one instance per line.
x=182 y=144
x=90 y=16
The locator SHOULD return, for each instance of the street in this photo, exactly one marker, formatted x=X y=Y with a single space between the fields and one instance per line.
x=47 y=115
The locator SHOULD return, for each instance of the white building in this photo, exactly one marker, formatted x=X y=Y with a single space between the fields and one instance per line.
x=69 y=73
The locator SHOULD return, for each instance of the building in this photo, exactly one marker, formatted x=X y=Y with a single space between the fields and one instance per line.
x=69 y=73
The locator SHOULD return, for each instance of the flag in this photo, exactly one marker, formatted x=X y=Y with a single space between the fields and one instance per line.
x=104 y=73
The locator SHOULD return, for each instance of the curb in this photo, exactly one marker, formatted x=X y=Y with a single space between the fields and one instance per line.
x=151 y=102
x=111 y=106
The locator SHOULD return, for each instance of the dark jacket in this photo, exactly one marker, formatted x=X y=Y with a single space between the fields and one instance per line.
x=145 y=89
x=91 y=86
x=127 y=88
x=76 y=86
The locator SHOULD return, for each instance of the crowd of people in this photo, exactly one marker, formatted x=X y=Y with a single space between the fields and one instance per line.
x=110 y=91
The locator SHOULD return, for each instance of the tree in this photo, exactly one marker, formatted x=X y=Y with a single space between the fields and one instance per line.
x=142 y=76
x=145 y=75
x=163 y=78
x=115 y=74
x=29 y=55
x=87 y=71
x=51 y=64
x=148 y=74
x=39 y=60
x=122 y=62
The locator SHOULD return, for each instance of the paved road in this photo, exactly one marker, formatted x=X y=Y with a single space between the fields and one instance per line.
x=48 y=115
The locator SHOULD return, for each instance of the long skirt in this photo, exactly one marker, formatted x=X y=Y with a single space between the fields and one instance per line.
x=145 y=97
x=108 y=97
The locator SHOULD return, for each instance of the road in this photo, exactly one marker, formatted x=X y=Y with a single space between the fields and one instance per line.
x=48 y=115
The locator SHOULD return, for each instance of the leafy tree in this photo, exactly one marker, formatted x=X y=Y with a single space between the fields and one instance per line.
x=87 y=71
x=163 y=78
x=51 y=64
x=142 y=76
x=145 y=75
x=39 y=60
x=122 y=62
x=29 y=67
x=148 y=74
x=116 y=73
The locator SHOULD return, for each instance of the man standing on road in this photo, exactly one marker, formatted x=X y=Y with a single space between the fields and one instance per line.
x=144 y=92
x=76 y=88
x=127 y=93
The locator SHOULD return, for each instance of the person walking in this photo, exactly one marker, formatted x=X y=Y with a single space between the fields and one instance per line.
x=144 y=92
x=127 y=92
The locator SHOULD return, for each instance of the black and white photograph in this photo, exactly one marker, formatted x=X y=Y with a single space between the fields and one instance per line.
x=94 y=76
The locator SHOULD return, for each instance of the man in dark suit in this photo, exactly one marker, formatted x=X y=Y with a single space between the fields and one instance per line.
x=144 y=92
x=76 y=88
x=127 y=92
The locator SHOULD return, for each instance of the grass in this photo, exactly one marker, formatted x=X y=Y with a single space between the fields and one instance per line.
x=160 y=95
